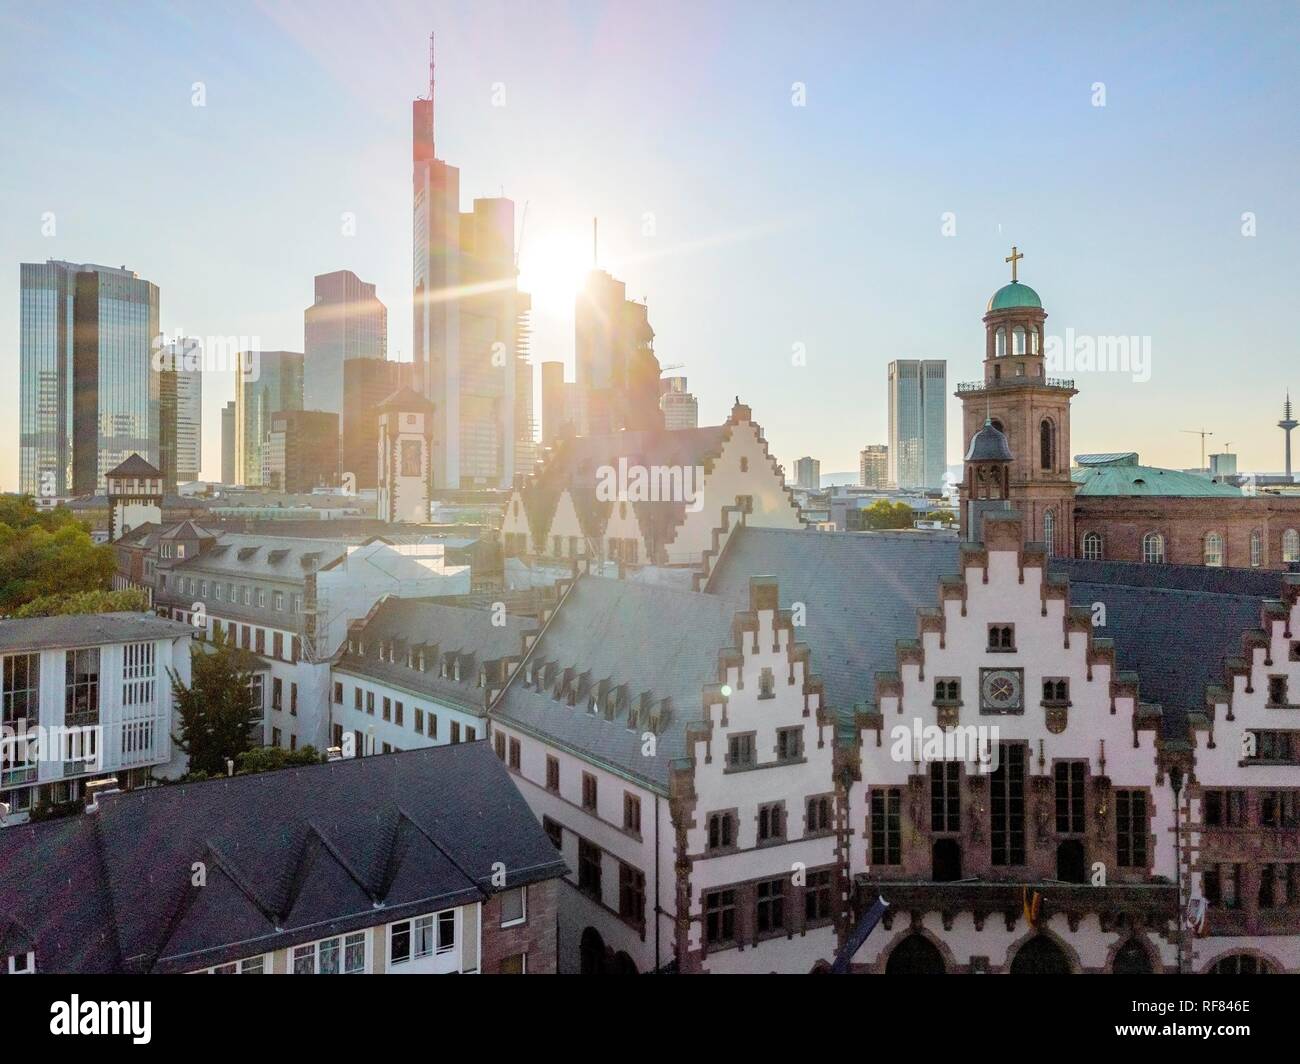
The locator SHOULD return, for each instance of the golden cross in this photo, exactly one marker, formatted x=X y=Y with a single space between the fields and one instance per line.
x=1013 y=258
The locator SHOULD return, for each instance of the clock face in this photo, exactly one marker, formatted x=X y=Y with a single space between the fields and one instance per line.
x=1001 y=690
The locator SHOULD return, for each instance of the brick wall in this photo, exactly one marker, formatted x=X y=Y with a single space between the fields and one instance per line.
x=534 y=937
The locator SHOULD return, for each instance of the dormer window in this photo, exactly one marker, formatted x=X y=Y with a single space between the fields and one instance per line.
x=22 y=963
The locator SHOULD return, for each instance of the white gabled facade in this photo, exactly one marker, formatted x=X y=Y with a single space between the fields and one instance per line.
x=1242 y=804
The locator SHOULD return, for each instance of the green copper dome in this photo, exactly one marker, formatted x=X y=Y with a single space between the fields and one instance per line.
x=1014 y=295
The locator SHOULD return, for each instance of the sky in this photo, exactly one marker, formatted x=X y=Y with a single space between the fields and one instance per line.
x=801 y=192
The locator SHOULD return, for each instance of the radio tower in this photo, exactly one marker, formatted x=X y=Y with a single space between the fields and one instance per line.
x=1286 y=425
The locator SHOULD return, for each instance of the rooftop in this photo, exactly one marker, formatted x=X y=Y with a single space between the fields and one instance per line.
x=86 y=630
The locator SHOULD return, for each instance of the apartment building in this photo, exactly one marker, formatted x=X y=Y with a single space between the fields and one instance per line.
x=85 y=697
x=289 y=601
x=420 y=863
x=416 y=672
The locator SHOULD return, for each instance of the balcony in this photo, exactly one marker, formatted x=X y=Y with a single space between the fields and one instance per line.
x=1055 y=383
x=1149 y=904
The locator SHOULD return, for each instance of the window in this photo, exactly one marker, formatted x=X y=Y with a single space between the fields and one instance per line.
x=261 y=597
x=1256 y=550
x=1069 y=783
x=771 y=822
x=554 y=831
x=1056 y=690
x=419 y=721
x=818 y=897
x=1277 y=691
x=515 y=964
x=345 y=955
x=769 y=914
x=398 y=711
x=1153 y=547
x=740 y=751
x=455 y=731
x=1092 y=546
x=1291 y=545
x=552 y=773
x=414 y=939
x=1274 y=745
x=945 y=796
x=248 y=966
x=588 y=791
x=631 y=813
x=789 y=744
x=499 y=745
x=22 y=963
x=1007 y=806
x=947 y=690
x=278 y=645
x=1225 y=808
x=277 y=600
x=356 y=698
x=1214 y=549
x=293 y=699
x=766 y=684
x=1131 y=828
x=1222 y=885
x=446 y=931
x=631 y=894
x=514 y=906
x=722 y=831
x=720 y=917
x=275 y=736
x=256 y=684
x=81 y=687
x=886 y=826
x=1002 y=637
x=1049 y=532
x=817 y=816
x=338 y=693
x=370 y=702
x=277 y=693
x=589 y=868
x=433 y=726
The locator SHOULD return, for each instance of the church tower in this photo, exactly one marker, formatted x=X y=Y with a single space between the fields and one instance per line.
x=1031 y=411
x=405 y=456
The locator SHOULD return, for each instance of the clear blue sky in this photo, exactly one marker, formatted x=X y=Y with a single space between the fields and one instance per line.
x=773 y=224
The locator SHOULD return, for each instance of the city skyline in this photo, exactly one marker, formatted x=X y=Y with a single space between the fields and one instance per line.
x=1130 y=233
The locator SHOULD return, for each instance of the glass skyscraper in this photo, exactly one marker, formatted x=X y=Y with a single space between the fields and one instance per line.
x=266 y=383
x=89 y=389
x=918 y=433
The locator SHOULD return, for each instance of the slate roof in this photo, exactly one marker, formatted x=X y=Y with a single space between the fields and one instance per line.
x=272 y=557
x=861 y=592
x=291 y=856
x=439 y=630
x=86 y=629
x=647 y=637
x=134 y=466
x=1174 y=625
x=574 y=463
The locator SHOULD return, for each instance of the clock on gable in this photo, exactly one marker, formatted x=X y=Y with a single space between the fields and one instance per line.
x=1002 y=690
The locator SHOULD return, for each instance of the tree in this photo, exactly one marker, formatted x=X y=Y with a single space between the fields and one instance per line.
x=270 y=758
x=131 y=599
x=885 y=514
x=46 y=553
x=215 y=713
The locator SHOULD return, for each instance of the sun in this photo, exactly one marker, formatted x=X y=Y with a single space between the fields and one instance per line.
x=553 y=268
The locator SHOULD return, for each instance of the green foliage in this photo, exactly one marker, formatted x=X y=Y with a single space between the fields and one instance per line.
x=129 y=599
x=47 y=553
x=54 y=810
x=270 y=758
x=215 y=713
x=885 y=514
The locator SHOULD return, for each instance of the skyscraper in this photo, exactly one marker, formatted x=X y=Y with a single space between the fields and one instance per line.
x=873 y=466
x=302 y=451
x=180 y=402
x=918 y=435
x=617 y=371
x=346 y=321
x=680 y=409
x=228 y=443
x=89 y=390
x=471 y=323
x=808 y=474
x=268 y=383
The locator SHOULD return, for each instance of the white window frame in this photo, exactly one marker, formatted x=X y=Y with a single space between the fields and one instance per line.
x=28 y=960
x=523 y=906
x=342 y=941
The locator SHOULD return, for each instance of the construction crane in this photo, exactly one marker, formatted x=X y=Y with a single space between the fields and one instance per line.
x=672 y=366
x=1201 y=433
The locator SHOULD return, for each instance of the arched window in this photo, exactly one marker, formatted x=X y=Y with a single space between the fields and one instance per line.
x=1040 y=956
x=915 y=955
x=1018 y=340
x=1049 y=532
x=1033 y=341
x=1153 y=547
x=1291 y=545
x=1214 y=549
x=1092 y=546
x=1047 y=444
x=1241 y=964
x=1256 y=549
x=1000 y=341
